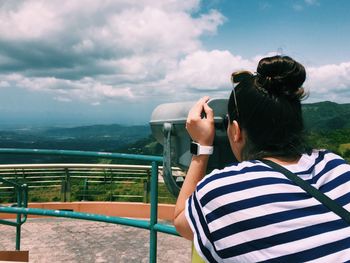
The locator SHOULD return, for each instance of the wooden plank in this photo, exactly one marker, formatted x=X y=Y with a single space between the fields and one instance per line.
x=17 y=255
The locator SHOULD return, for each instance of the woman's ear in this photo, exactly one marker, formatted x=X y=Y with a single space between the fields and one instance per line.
x=236 y=133
x=237 y=139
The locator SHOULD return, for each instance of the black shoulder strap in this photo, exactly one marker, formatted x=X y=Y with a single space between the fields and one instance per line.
x=324 y=199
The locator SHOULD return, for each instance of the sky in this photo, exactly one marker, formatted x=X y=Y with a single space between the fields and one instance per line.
x=81 y=62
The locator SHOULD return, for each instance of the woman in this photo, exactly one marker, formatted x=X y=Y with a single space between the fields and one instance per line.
x=248 y=212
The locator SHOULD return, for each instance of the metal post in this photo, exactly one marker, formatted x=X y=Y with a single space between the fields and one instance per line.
x=144 y=197
x=67 y=190
x=18 y=220
x=85 y=189
x=111 y=190
x=146 y=186
x=154 y=214
x=63 y=190
x=149 y=184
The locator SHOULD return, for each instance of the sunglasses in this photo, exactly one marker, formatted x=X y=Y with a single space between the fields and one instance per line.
x=225 y=121
x=236 y=77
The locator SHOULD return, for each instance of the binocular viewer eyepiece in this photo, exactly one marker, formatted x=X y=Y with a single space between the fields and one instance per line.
x=168 y=125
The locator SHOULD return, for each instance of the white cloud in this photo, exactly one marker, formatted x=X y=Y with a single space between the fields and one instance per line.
x=4 y=84
x=312 y=2
x=330 y=82
x=62 y=99
x=30 y=19
x=300 y=6
x=119 y=46
x=95 y=51
x=208 y=69
x=86 y=89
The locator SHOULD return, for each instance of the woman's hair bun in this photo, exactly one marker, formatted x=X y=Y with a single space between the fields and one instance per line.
x=281 y=76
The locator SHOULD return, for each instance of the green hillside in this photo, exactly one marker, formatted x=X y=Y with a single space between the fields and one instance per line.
x=326 y=116
x=107 y=138
x=327 y=125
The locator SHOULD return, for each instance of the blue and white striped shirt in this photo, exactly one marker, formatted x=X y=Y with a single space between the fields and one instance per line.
x=248 y=212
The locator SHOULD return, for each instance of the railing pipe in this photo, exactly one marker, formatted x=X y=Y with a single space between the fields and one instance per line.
x=18 y=220
x=13 y=184
x=8 y=223
x=154 y=213
x=107 y=155
x=77 y=215
x=166 y=229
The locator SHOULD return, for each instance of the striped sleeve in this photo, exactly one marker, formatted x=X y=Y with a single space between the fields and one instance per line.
x=199 y=226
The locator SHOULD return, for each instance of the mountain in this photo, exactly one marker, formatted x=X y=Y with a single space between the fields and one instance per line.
x=92 y=138
x=322 y=117
x=326 y=116
x=114 y=131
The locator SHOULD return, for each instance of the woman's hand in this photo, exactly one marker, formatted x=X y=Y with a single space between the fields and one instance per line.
x=201 y=129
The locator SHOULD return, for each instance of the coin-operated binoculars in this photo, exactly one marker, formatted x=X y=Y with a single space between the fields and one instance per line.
x=168 y=125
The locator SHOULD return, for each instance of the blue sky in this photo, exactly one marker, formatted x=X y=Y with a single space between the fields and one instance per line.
x=86 y=62
x=313 y=31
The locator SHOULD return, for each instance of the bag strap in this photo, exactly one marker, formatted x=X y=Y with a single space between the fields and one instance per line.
x=324 y=199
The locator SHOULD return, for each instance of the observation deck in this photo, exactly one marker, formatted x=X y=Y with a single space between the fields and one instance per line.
x=107 y=230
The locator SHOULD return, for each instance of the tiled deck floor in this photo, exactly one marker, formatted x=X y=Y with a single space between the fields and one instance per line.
x=70 y=241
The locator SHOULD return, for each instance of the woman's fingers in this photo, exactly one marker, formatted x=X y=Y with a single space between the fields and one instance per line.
x=200 y=122
x=196 y=111
x=208 y=112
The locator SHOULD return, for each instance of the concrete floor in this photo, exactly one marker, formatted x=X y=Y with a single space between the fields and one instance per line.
x=69 y=240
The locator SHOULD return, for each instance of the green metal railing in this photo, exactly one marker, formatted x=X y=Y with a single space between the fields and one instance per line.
x=152 y=225
x=83 y=182
x=21 y=191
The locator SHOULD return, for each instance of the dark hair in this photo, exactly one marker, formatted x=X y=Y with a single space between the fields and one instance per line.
x=269 y=109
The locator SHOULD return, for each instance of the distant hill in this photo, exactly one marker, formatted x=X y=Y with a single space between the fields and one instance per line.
x=114 y=131
x=106 y=138
x=323 y=117
x=92 y=138
x=326 y=116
